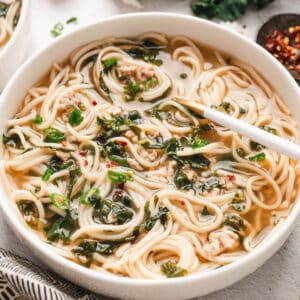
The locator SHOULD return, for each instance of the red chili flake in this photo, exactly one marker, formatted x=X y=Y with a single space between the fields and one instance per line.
x=121 y=186
x=64 y=143
x=85 y=162
x=120 y=193
x=284 y=45
x=94 y=102
x=112 y=164
x=83 y=152
x=231 y=177
x=124 y=144
x=182 y=203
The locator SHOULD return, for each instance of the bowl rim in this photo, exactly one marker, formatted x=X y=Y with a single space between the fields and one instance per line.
x=36 y=244
x=23 y=18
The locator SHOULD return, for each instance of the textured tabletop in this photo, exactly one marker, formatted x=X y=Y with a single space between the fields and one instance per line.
x=279 y=277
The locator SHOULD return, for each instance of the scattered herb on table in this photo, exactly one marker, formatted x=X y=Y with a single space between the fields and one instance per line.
x=225 y=10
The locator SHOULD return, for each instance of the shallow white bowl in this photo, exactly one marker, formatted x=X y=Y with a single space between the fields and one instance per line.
x=130 y=25
x=14 y=51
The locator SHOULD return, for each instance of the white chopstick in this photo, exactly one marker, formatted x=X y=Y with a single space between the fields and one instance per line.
x=258 y=135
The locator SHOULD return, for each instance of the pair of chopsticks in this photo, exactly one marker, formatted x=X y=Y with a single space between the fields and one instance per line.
x=265 y=138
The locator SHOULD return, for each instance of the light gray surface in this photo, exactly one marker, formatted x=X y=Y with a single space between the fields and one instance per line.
x=279 y=277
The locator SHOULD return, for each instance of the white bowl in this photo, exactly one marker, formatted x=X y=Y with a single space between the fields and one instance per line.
x=130 y=25
x=14 y=51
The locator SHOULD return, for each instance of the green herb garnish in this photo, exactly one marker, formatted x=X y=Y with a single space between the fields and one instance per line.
x=132 y=89
x=72 y=20
x=53 y=135
x=171 y=270
x=62 y=227
x=60 y=201
x=57 y=29
x=120 y=160
x=119 y=177
x=88 y=195
x=258 y=157
x=37 y=120
x=109 y=64
x=75 y=117
x=226 y=10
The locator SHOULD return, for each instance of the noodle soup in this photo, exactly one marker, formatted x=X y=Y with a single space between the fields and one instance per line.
x=9 y=17
x=114 y=174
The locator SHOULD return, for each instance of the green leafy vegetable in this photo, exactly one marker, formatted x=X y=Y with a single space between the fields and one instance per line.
x=88 y=248
x=241 y=152
x=205 y=211
x=235 y=222
x=150 y=84
x=226 y=10
x=13 y=141
x=86 y=197
x=256 y=146
x=223 y=107
x=121 y=212
x=3 y=9
x=238 y=203
x=60 y=201
x=242 y=110
x=109 y=64
x=171 y=270
x=132 y=89
x=147 y=53
x=53 y=135
x=211 y=183
x=117 y=124
x=181 y=180
x=62 y=227
x=161 y=215
x=75 y=117
x=258 y=157
x=119 y=177
x=56 y=164
x=37 y=120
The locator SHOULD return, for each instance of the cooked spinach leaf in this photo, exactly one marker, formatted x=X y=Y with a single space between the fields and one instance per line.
x=171 y=270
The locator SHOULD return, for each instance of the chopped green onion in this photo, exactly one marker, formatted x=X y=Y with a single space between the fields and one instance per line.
x=60 y=201
x=37 y=120
x=109 y=64
x=120 y=160
x=86 y=195
x=258 y=157
x=119 y=177
x=57 y=29
x=75 y=117
x=199 y=143
x=46 y=176
x=53 y=135
x=72 y=20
